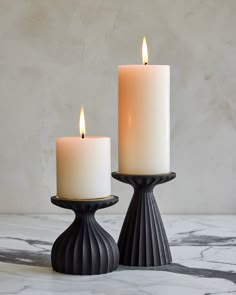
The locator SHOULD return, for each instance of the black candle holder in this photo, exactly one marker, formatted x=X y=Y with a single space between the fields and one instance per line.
x=84 y=248
x=143 y=240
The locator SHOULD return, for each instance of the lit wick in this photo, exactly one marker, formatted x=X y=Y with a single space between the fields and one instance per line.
x=145 y=52
x=82 y=123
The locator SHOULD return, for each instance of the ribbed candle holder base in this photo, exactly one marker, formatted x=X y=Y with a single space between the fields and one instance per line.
x=84 y=248
x=143 y=240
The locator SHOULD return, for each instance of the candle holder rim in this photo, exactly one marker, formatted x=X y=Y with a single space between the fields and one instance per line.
x=171 y=173
x=103 y=202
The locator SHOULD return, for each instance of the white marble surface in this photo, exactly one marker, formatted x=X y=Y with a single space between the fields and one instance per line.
x=203 y=249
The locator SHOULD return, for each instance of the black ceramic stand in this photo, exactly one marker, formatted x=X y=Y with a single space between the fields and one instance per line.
x=143 y=240
x=84 y=248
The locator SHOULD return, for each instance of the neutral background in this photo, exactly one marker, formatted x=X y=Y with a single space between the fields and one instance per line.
x=57 y=55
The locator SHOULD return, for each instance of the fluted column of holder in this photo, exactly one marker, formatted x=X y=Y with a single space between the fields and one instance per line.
x=143 y=240
x=84 y=248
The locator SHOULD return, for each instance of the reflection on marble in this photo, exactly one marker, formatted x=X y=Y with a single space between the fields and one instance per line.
x=203 y=249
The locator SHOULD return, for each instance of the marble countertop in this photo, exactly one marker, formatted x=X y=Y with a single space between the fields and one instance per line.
x=203 y=250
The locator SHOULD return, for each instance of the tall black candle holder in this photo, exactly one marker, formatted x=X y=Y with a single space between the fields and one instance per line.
x=143 y=240
x=84 y=248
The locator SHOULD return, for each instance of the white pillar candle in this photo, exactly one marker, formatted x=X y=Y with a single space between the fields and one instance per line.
x=83 y=167
x=144 y=119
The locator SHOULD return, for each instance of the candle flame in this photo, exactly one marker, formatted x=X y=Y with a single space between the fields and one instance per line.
x=82 y=123
x=145 y=51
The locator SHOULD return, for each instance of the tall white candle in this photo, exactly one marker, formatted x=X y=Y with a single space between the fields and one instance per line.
x=144 y=119
x=83 y=166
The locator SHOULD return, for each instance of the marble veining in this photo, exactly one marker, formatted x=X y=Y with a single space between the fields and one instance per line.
x=203 y=250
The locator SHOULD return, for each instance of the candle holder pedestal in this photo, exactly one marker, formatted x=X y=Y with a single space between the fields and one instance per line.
x=84 y=248
x=143 y=240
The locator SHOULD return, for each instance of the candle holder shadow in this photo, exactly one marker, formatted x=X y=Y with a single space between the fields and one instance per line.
x=143 y=240
x=84 y=248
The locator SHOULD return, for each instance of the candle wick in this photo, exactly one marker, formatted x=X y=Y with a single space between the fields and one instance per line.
x=145 y=63
x=82 y=135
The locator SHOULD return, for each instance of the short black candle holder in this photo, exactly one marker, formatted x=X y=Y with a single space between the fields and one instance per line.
x=143 y=240
x=84 y=248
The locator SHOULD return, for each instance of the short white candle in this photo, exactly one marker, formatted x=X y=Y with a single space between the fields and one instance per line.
x=83 y=166
x=144 y=118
